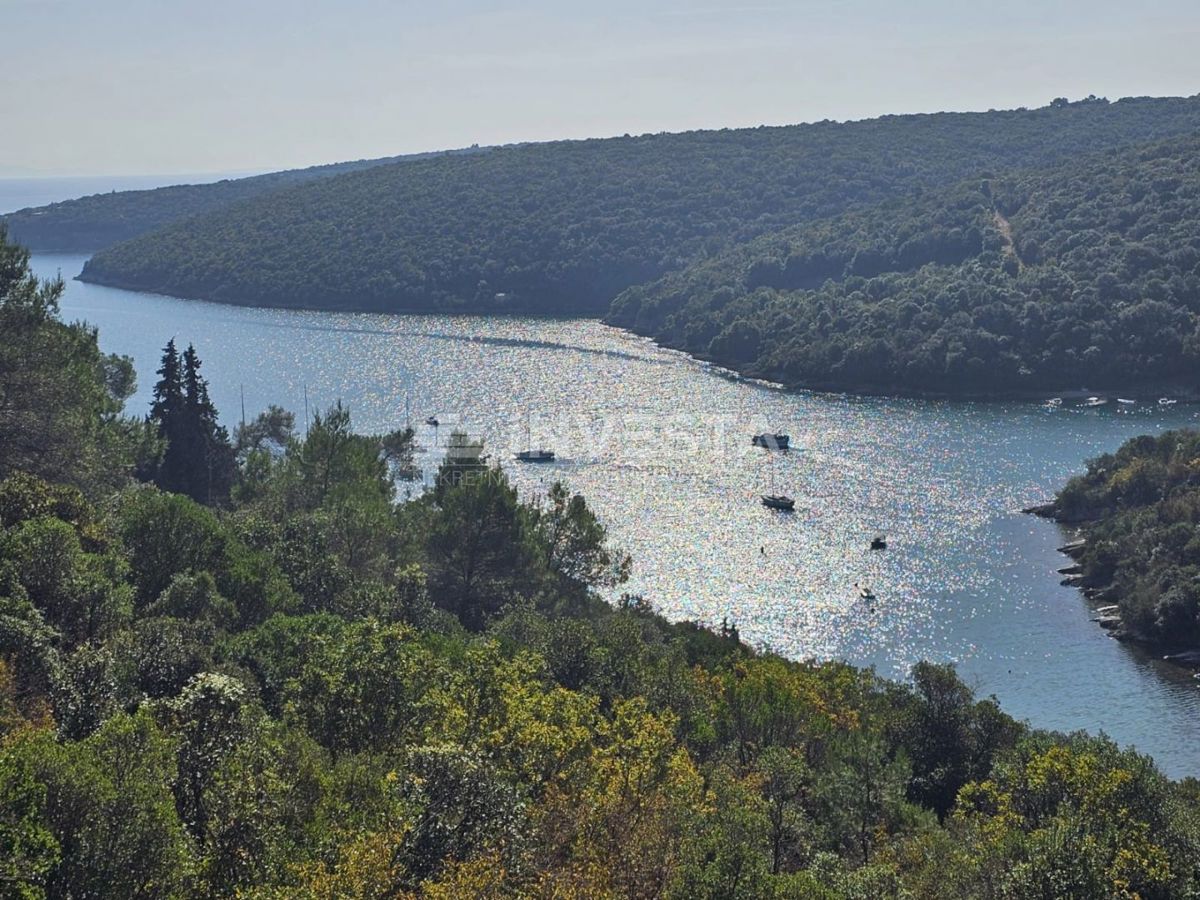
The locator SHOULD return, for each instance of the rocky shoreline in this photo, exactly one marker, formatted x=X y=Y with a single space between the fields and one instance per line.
x=1107 y=614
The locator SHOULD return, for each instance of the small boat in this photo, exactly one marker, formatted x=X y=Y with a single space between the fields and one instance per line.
x=432 y=420
x=1095 y=401
x=864 y=592
x=779 y=502
x=530 y=454
x=771 y=441
x=1053 y=403
x=1125 y=402
x=535 y=456
x=879 y=542
x=1166 y=401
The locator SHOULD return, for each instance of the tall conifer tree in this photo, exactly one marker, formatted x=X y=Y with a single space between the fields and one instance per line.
x=167 y=412
x=198 y=460
x=209 y=449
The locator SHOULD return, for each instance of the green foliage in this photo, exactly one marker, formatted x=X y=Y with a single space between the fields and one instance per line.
x=374 y=687
x=78 y=593
x=1077 y=819
x=167 y=652
x=168 y=535
x=197 y=458
x=563 y=227
x=462 y=808
x=60 y=397
x=479 y=550
x=950 y=737
x=28 y=849
x=89 y=223
x=108 y=807
x=576 y=543
x=207 y=717
x=1140 y=509
x=1084 y=274
x=316 y=692
x=269 y=430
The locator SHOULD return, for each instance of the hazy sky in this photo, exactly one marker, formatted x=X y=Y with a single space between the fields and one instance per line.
x=166 y=86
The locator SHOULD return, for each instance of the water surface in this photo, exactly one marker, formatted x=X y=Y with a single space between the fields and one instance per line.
x=659 y=445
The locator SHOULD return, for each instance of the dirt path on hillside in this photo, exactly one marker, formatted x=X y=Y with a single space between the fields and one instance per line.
x=1005 y=230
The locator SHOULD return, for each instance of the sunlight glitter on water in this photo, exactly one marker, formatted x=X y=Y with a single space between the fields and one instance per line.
x=660 y=446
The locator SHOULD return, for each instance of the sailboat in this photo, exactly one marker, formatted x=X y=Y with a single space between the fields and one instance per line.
x=781 y=502
x=531 y=455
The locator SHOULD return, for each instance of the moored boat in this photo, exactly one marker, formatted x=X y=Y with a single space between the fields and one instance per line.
x=771 y=441
x=535 y=456
x=779 y=502
x=531 y=454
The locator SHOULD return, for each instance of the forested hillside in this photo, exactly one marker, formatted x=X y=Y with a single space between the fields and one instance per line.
x=308 y=689
x=1084 y=275
x=90 y=223
x=562 y=228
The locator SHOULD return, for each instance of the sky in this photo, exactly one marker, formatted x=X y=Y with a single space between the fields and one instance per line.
x=166 y=86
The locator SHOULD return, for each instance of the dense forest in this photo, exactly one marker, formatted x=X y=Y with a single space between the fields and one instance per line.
x=90 y=223
x=1083 y=275
x=562 y=228
x=301 y=687
x=1140 y=513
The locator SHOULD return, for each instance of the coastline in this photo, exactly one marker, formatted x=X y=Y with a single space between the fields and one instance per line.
x=1147 y=392
x=1103 y=598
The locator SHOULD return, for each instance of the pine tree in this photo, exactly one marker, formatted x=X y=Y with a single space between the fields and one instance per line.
x=198 y=460
x=167 y=412
x=209 y=451
x=168 y=392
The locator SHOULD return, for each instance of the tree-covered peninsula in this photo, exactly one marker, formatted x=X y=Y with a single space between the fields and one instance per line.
x=87 y=224
x=1086 y=274
x=1139 y=511
x=239 y=664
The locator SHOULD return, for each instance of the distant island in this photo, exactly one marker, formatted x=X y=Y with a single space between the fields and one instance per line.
x=1004 y=253
x=1139 y=559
